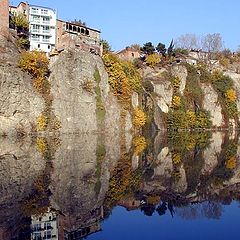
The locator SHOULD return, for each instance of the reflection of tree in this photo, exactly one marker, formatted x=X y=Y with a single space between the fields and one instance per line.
x=210 y=210
x=38 y=202
x=123 y=182
x=162 y=208
x=148 y=209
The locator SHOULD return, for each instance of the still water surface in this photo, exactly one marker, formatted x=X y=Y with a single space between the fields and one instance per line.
x=172 y=186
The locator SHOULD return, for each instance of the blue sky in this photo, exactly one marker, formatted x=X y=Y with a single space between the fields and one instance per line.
x=125 y=22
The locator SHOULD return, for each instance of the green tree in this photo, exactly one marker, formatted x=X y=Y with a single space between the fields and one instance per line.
x=106 y=46
x=161 y=48
x=148 y=48
x=170 y=48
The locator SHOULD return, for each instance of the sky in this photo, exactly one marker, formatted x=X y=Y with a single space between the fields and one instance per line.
x=126 y=22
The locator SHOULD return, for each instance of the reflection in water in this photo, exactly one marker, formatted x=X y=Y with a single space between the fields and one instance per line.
x=64 y=188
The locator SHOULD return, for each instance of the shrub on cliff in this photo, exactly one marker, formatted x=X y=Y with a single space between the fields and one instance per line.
x=123 y=77
x=20 y=21
x=34 y=62
x=153 y=59
x=139 y=118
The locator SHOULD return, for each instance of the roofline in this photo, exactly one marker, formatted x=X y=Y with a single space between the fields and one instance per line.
x=78 y=25
x=30 y=5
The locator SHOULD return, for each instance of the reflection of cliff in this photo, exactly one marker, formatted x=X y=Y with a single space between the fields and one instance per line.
x=188 y=174
x=80 y=178
x=20 y=165
x=188 y=168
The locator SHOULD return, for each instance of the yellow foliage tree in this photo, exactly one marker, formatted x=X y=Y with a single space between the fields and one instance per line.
x=231 y=163
x=42 y=123
x=231 y=95
x=116 y=77
x=139 y=118
x=190 y=119
x=139 y=144
x=176 y=101
x=34 y=62
x=153 y=59
x=20 y=21
x=176 y=158
x=176 y=82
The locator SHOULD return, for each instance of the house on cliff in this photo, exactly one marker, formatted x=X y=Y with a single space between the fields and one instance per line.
x=75 y=34
x=129 y=54
x=46 y=33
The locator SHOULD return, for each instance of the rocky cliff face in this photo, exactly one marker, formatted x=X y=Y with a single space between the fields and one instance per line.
x=193 y=91
x=19 y=104
x=78 y=94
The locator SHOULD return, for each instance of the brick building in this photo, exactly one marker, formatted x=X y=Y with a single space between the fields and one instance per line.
x=4 y=17
x=72 y=35
x=129 y=54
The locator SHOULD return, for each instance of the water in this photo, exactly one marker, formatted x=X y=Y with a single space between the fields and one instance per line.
x=170 y=186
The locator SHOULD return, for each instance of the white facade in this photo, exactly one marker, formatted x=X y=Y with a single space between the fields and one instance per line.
x=45 y=227
x=42 y=28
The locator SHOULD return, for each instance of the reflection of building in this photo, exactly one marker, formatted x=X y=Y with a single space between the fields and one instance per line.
x=56 y=226
x=44 y=227
x=130 y=203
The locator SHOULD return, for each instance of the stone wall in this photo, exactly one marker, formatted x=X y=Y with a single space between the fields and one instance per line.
x=4 y=17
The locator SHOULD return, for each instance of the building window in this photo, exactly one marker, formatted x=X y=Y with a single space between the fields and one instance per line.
x=46 y=20
x=36 y=227
x=46 y=29
x=35 y=28
x=35 y=19
x=83 y=30
x=46 y=38
x=44 y=11
x=47 y=235
x=132 y=54
x=49 y=47
x=37 y=236
x=87 y=32
x=47 y=225
x=38 y=45
x=35 y=37
x=34 y=10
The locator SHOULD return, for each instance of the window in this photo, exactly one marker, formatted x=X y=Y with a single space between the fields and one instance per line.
x=46 y=20
x=35 y=28
x=34 y=10
x=46 y=29
x=44 y=11
x=47 y=225
x=38 y=45
x=46 y=39
x=47 y=235
x=35 y=19
x=37 y=236
x=36 y=227
x=35 y=37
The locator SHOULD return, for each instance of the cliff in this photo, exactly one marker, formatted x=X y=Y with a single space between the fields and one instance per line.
x=86 y=94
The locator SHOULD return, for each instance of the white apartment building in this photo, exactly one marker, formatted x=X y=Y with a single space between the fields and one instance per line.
x=42 y=28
